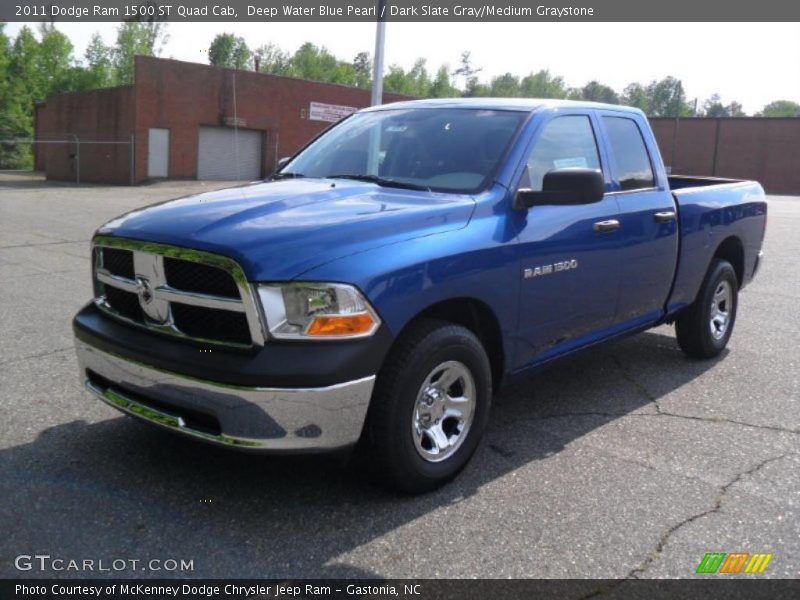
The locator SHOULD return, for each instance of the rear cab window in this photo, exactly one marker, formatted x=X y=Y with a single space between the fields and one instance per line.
x=634 y=169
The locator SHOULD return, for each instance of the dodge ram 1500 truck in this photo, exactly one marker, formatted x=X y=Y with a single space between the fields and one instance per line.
x=388 y=278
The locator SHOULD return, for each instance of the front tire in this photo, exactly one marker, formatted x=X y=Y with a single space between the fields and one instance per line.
x=430 y=407
x=703 y=329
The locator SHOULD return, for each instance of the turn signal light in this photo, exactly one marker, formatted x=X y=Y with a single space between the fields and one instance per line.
x=341 y=325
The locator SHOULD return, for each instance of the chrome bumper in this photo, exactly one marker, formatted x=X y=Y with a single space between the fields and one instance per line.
x=247 y=418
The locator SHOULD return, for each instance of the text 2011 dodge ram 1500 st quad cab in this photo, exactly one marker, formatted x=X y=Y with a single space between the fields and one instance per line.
x=399 y=268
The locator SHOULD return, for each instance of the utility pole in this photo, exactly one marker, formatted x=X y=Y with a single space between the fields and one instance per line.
x=377 y=63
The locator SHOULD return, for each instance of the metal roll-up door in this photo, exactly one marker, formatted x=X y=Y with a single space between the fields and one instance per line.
x=226 y=153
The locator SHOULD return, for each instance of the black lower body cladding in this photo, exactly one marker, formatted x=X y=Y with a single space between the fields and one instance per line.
x=278 y=364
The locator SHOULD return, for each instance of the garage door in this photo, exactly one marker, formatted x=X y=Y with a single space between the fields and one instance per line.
x=225 y=153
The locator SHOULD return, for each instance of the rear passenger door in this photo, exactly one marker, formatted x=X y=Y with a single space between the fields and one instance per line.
x=648 y=219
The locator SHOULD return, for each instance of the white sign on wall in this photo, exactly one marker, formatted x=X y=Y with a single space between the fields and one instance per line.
x=319 y=111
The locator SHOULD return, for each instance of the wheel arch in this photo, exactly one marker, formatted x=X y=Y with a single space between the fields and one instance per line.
x=479 y=318
x=731 y=249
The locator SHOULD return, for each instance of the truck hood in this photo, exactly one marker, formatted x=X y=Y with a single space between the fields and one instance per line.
x=276 y=231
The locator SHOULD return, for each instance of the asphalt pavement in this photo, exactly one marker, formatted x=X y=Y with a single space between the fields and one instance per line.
x=630 y=461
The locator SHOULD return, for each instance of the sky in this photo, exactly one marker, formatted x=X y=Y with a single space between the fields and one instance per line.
x=751 y=63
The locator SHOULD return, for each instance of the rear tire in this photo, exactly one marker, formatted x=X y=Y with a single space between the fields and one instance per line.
x=429 y=409
x=703 y=329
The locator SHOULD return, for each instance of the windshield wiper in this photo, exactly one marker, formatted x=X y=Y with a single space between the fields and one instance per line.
x=381 y=181
x=287 y=175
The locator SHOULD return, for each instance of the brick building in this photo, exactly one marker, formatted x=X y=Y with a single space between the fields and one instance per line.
x=186 y=121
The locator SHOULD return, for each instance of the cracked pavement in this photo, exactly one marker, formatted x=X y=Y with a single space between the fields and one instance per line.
x=630 y=461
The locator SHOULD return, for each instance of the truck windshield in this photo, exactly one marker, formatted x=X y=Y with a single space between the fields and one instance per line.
x=440 y=149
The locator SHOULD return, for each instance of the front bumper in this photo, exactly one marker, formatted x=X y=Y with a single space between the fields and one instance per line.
x=249 y=418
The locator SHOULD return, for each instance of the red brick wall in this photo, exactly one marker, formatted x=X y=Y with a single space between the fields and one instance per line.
x=181 y=96
x=97 y=115
x=763 y=149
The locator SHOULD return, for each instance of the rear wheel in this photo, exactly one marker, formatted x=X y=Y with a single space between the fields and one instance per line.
x=430 y=407
x=703 y=330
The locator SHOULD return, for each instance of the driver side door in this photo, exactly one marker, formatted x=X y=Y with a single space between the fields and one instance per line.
x=568 y=254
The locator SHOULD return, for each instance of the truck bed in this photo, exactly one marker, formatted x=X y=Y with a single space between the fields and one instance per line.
x=713 y=211
x=679 y=182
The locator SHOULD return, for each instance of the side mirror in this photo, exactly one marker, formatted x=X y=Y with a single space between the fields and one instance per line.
x=564 y=186
x=282 y=162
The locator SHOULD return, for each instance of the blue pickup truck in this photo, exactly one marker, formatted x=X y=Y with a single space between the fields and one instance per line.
x=377 y=289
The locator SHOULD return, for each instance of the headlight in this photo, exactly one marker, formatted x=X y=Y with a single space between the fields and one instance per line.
x=317 y=310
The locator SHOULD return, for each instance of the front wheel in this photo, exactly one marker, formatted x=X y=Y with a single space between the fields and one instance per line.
x=703 y=329
x=430 y=407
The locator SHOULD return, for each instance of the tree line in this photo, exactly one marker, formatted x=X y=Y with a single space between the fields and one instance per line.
x=662 y=98
x=33 y=67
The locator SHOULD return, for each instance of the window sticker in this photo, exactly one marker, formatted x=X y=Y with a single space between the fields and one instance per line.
x=566 y=163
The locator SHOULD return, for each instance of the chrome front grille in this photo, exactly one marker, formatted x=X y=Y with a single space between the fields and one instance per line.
x=177 y=291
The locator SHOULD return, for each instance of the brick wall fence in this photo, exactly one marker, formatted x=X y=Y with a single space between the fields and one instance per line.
x=764 y=149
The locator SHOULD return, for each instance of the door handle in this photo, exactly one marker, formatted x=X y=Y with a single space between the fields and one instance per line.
x=606 y=226
x=664 y=217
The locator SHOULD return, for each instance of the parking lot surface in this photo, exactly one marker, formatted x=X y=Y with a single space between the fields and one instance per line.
x=630 y=461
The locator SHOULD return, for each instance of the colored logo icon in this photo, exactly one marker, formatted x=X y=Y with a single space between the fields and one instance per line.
x=734 y=562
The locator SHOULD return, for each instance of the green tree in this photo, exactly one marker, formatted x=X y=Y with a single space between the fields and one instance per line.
x=468 y=72
x=5 y=58
x=229 y=51
x=442 y=85
x=735 y=109
x=23 y=85
x=781 y=108
x=311 y=62
x=713 y=107
x=542 y=85
x=666 y=98
x=9 y=153
x=136 y=38
x=23 y=70
x=397 y=81
x=55 y=67
x=271 y=59
x=420 y=78
x=414 y=82
x=99 y=70
x=504 y=86
x=595 y=91
x=318 y=64
x=476 y=89
x=362 y=65
x=344 y=74
x=635 y=94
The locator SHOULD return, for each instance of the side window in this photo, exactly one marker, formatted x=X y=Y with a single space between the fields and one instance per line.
x=632 y=160
x=565 y=142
